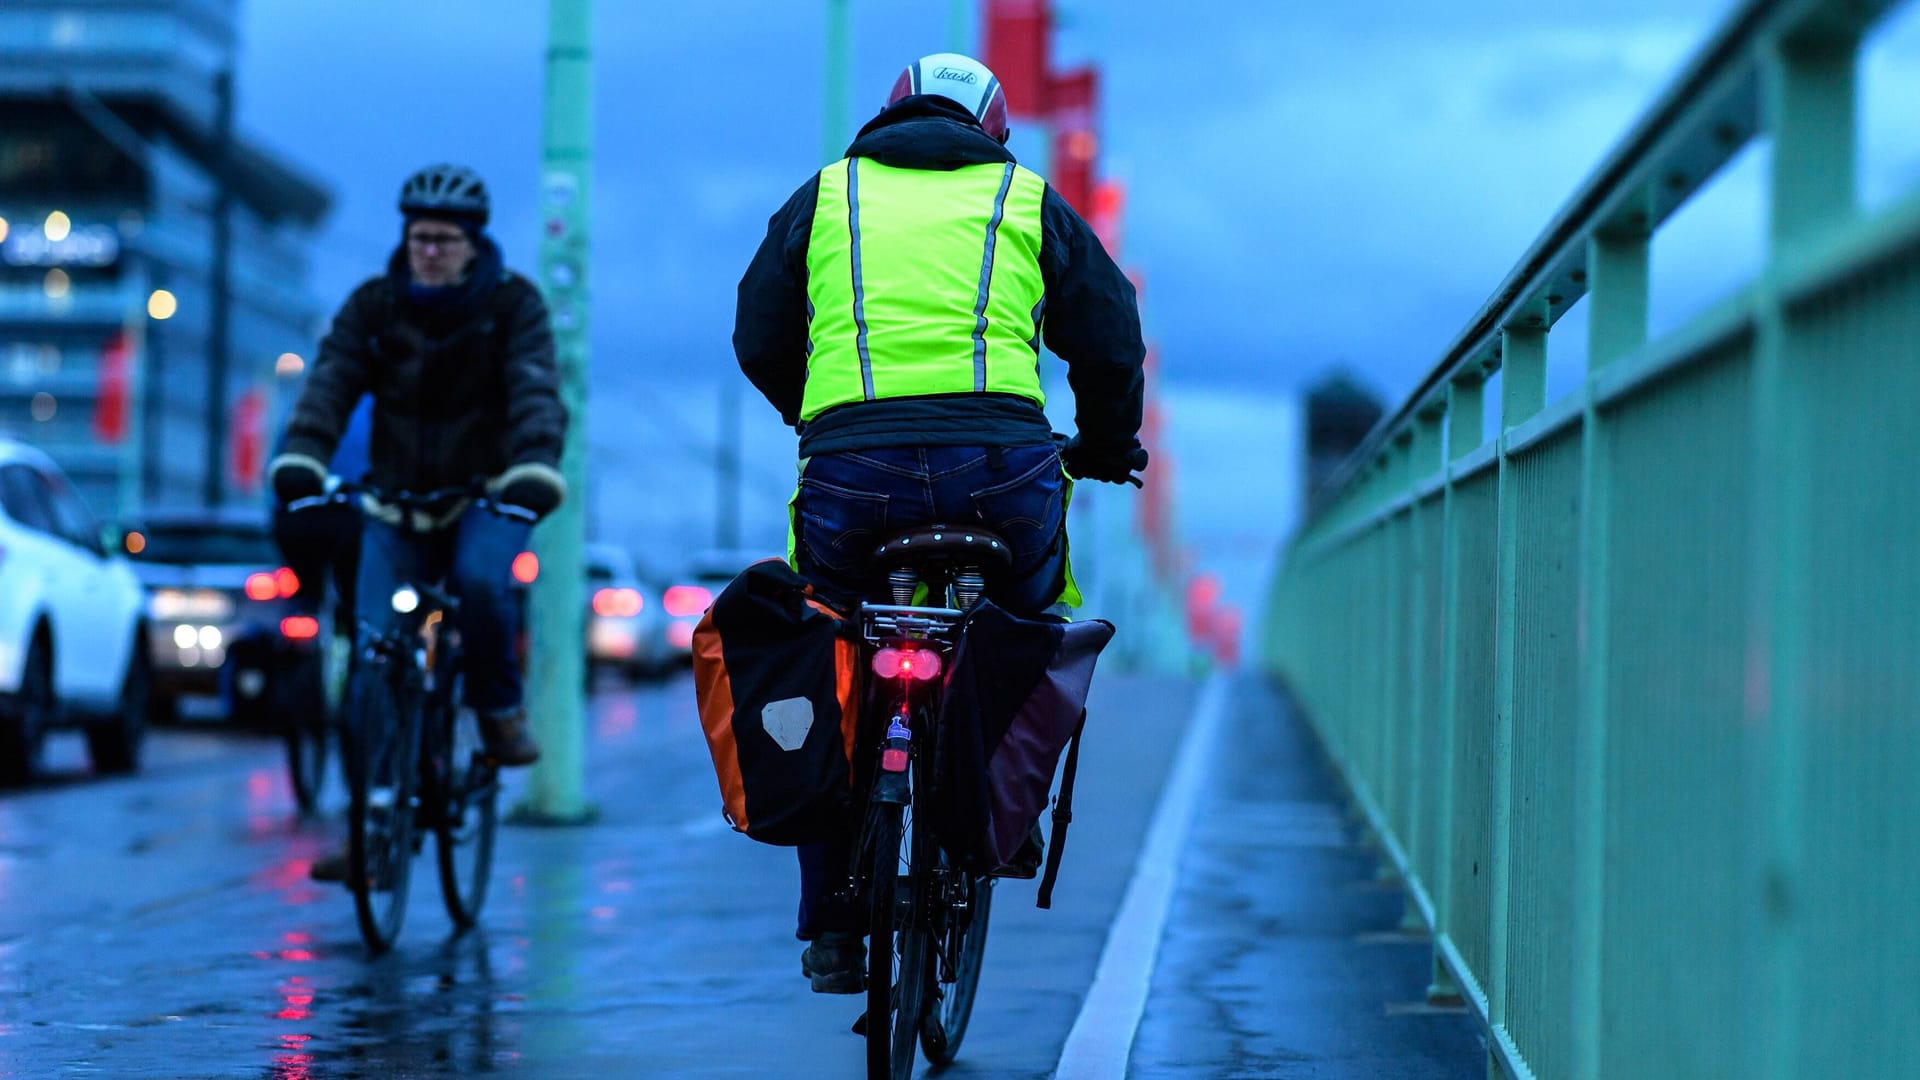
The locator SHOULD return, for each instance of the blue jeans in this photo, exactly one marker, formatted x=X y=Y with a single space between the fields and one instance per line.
x=475 y=558
x=850 y=502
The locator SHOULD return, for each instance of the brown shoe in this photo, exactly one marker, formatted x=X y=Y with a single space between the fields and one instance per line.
x=508 y=740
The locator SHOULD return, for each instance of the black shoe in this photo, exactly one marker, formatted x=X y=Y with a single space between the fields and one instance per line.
x=333 y=866
x=836 y=963
x=507 y=738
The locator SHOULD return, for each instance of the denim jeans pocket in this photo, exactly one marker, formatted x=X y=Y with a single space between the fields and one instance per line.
x=1028 y=511
x=840 y=527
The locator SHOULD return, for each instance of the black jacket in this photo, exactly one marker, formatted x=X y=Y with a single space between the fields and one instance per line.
x=461 y=390
x=1091 y=321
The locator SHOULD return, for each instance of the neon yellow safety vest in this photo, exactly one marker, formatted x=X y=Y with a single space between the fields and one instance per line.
x=923 y=281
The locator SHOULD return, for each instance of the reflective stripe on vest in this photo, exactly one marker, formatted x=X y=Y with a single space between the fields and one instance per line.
x=923 y=281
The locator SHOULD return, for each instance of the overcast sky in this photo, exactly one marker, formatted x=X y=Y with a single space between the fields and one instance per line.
x=1309 y=183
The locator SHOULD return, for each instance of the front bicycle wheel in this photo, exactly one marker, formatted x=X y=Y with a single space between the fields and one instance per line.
x=385 y=733
x=464 y=833
x=963 y=947
x=302 y=707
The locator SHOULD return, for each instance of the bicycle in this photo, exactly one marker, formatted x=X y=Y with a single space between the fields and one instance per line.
x=414 y=758
x=928 y=914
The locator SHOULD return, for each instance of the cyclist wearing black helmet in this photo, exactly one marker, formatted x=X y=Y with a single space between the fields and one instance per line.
x=457 y=354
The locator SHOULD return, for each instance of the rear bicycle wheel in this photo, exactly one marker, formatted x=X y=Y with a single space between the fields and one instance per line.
x=952 y=1004
x=463 y=837
x=385 y=732
x=898 y=947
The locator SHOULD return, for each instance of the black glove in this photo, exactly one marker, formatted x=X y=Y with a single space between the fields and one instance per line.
x=538 y=489
x=296 y=476
x=1113 y=465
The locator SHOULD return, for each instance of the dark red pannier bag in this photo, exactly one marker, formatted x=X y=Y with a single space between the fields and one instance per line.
x=1016 y=698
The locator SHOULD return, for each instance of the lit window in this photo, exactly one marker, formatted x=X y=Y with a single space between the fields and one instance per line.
x=3 y=228
x=43 y=406
x=58 y=284
x=289 y=364
x=58 y=226
x=162 y=305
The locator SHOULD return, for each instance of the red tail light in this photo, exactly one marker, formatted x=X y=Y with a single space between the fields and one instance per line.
x=526 y=568
x=920 y=664
x=285 y=582
x=683 y=600
x=300 y=627
x=617 y=603
x=262 y=587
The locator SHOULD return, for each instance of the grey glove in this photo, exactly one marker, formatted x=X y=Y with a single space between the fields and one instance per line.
x=539 y=489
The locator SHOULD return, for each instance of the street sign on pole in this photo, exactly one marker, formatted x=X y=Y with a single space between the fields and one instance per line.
x=556 y=679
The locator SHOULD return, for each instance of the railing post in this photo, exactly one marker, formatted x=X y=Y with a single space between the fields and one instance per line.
x=1809 y=91
x=1810 y=103
x=1428 y=427
x=1444 y=989
x=1523 y=392
x=1523 y=373
x=1618 y=280
x=1466 y=422
x=1617 y=292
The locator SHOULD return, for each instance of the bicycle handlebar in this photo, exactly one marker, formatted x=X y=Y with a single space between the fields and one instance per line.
x=416 y=501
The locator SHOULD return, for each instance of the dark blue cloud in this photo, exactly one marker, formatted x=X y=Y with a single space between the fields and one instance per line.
x=1284 y=161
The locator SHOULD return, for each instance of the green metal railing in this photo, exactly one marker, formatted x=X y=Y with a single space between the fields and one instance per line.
x=1629 y=689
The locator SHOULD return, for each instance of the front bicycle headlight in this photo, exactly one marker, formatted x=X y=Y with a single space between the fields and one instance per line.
x=406 y=600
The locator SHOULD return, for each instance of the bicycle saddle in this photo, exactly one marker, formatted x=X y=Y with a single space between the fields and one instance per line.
x=941 y=543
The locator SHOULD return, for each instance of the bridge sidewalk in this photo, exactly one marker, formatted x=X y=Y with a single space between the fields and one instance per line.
x=1282 y=955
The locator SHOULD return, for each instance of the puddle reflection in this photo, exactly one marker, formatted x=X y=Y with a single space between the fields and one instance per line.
x=429 y=1013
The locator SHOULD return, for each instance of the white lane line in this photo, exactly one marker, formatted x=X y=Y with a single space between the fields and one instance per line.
x=1102 y=1037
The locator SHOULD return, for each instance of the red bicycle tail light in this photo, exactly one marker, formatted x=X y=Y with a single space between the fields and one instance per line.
x=300 y=627
x=262 y=587
x=918 y=664
x=683 y=600
x=526 y=568
x=286 y=583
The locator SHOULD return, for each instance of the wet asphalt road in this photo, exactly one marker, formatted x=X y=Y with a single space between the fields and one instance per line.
x=164 y=926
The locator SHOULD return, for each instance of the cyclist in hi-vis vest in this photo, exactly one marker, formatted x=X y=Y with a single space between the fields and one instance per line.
x=894 y=315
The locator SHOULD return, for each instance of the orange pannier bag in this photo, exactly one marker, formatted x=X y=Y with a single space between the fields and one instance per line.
x=778 y=684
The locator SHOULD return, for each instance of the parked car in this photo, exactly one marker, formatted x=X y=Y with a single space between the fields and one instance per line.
x=626 y=626
x=699 y=581
x=71 y=624
x=221 y=611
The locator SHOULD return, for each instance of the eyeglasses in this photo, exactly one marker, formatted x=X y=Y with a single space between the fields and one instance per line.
x=443 y=241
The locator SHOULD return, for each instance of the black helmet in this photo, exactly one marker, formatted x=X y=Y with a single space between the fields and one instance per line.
x=445 y=191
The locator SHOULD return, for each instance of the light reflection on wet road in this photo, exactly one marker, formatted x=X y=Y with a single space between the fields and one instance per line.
x=164 y=925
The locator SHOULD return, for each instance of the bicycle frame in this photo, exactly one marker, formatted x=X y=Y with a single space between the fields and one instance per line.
x=937 y=903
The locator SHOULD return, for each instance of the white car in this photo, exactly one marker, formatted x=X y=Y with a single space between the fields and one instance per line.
x=626 y=629
x=72 y=640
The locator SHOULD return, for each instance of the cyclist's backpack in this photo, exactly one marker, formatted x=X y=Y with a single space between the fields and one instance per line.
x=1016 y=699
x=778 y=684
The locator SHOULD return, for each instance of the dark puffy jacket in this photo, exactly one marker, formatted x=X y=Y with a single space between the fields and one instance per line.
x=460 y=391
